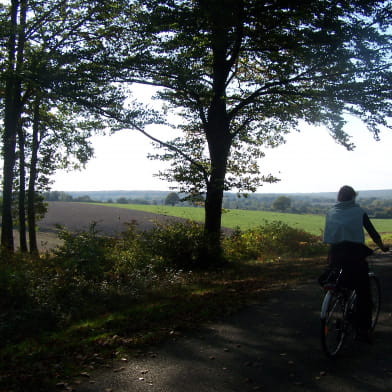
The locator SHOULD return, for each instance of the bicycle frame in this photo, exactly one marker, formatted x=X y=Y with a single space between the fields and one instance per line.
x=348 y=296
x=337 y=314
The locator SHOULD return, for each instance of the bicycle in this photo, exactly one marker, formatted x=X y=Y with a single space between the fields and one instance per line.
x=338 y=312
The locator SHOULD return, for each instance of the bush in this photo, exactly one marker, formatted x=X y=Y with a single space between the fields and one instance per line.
x=85 y=253
x=90 y=273
x=13 y=285
x=271 y=240
x=176 y=245
x=21 y=314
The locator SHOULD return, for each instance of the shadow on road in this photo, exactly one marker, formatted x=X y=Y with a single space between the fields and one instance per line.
x=271 y=346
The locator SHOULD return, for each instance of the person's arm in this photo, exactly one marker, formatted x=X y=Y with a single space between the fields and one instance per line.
x=373 y=232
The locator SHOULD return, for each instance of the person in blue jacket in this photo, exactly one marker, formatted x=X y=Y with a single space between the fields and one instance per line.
x=344 y=232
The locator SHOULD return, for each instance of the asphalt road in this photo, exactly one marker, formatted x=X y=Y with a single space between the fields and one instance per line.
x=270 y=346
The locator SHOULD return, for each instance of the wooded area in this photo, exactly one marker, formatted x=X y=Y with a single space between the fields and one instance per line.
x=238 y=74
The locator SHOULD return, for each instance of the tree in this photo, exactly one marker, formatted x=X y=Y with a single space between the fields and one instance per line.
x=57 y=91
x=243 y=73
x=281 y=203
x=58 y=140
x=172 y=199
x=16 y=29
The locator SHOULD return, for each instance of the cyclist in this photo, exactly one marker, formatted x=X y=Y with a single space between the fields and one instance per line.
x=344 y=232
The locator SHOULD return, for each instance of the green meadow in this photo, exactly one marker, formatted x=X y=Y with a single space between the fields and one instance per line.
x=246 y=219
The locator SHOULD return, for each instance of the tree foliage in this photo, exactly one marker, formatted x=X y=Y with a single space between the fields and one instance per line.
x=281 y=203
x=172 y=199
x=243 y=73
x=240 y=74
x=57 y=92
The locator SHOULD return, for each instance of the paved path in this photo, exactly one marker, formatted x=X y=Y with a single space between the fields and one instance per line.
x=271 y=346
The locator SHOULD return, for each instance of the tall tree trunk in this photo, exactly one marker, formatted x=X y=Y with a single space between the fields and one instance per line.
x=219 y=142
x=22 y=190
x=219 y=153
x=9 y=142
x=11 y=104
x=215 y=188
x=33 y=178
x=12 y=114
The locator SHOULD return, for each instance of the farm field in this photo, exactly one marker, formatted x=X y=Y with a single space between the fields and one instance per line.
x=246 y=219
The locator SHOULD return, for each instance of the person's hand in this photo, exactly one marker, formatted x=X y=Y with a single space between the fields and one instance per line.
x=384 y=248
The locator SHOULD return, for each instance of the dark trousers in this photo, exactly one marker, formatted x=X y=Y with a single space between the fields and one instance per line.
x=352 y=259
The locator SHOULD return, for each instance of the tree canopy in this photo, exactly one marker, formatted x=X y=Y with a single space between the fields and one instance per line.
x=281 y=203
x=243 y=73
x=240 y=74
x=172 y=199
x=55 y=90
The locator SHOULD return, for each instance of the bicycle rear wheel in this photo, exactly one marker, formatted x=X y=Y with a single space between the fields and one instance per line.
x=375 y=292
x=333 y=324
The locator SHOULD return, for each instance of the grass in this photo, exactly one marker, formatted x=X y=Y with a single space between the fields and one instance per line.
x=119 y=323
x=64 y=355
x=246 y=219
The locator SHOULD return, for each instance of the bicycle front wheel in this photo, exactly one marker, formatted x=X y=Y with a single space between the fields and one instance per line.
x=375 y=292
x=332 y=324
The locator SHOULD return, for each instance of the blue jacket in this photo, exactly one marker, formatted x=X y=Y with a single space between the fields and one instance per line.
x=344 y=222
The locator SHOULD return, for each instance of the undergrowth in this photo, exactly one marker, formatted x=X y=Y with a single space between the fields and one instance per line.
x=102 y=294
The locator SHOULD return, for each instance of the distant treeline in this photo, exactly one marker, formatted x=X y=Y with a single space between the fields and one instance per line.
x=376 y=208
x=117 y=197
x=378 y=204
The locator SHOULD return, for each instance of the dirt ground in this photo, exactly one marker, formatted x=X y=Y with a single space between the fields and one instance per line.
x=109 y=220
x=80 y=216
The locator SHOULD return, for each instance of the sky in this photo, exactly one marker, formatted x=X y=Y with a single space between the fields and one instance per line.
x=310 y=161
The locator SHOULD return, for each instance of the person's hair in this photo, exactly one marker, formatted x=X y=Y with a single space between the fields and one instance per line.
x=346 y=193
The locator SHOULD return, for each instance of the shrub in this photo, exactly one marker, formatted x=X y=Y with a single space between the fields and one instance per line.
x=85 y=253
x=178 y=245
x=91 y=274
x=132 y=264
x=13 y=285
x=21 y=315
x=271 y=240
